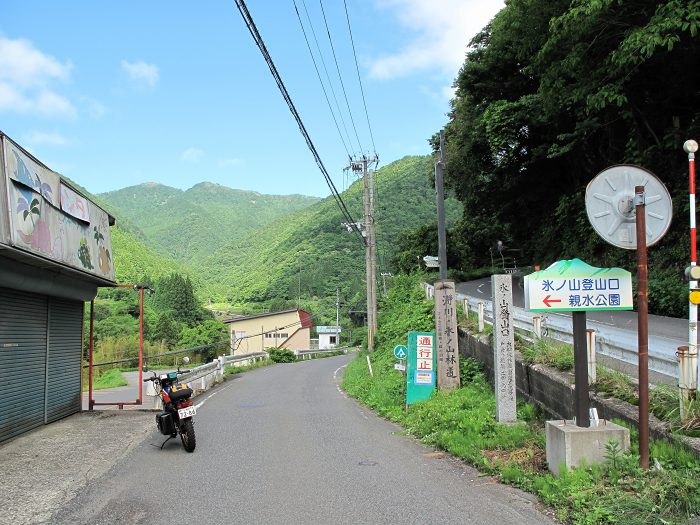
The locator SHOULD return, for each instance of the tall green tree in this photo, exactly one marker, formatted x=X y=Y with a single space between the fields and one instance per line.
x=553 y=92
x=175 y=294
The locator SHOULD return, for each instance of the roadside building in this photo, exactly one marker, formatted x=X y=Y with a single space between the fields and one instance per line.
x=55 y=251
x=290 y=329
x=328 y=337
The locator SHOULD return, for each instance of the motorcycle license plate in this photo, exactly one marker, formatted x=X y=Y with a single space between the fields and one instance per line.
x=187 y=412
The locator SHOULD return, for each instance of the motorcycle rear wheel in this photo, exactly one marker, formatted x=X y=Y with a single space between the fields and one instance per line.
x=189 y=441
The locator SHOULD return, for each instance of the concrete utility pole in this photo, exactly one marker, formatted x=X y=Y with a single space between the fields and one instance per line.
x=337 y=313
x=439 y=188
x=362 y=166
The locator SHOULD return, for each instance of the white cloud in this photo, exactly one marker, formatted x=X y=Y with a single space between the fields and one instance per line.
x=141 y=72
x=192 y=154
x=441 y=34
x=95 y=109
x=37 y=138
x=26 y=79
x=225 y=163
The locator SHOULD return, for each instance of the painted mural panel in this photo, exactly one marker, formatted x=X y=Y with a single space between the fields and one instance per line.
x=73 y=204
x=39 y=224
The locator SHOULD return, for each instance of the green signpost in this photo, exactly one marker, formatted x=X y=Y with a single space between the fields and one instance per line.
x=576 y=287
x=420 y=375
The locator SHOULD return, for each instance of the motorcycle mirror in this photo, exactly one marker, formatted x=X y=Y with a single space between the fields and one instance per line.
x=186 y=360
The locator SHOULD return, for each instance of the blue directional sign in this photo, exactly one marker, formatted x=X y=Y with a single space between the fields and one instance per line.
x=400 y=351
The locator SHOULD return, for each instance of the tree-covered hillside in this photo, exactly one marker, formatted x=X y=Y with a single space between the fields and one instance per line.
x=190 y=225
x=312 y=251
x=550 y=94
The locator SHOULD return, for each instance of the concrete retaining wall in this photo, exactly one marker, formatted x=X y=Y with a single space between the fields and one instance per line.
x=553 y=390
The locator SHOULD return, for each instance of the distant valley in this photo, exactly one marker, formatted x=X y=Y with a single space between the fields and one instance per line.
x=241 y=247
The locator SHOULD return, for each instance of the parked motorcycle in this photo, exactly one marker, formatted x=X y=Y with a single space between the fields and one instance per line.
x=178 y=409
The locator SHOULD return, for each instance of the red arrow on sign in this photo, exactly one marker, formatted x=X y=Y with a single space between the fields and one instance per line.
x=547 y=300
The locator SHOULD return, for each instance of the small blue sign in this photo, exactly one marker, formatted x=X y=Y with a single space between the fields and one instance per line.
x=400 y=351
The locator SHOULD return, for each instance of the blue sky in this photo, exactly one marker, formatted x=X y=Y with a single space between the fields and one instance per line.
x=114 y=94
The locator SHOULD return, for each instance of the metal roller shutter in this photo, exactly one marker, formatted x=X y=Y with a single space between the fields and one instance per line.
x=23 y=328
x=64 y=362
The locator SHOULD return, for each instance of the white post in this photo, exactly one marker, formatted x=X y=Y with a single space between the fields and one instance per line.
x=691 y=370
x=590 y=332
x=481 y=317
x=537 y=327
x=466 y=307
x=683 y=375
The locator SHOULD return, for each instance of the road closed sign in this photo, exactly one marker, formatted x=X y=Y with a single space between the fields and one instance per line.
x=420 y=374
x=574 y=286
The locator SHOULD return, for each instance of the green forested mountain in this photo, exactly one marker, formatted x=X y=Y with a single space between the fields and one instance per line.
x=312 y=252
x=552 y=93
x=189 y=225
x=134 y=260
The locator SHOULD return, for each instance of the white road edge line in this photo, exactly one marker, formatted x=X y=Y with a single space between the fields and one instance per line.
x=335 y=378
x=201 y=403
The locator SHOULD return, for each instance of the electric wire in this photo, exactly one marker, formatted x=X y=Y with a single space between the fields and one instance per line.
x=318 y=74
x=252 y=28
x=325 y=69
x=340 y=77
x=359 y=79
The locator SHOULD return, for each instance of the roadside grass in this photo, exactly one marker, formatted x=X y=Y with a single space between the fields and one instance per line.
x=463 y=423
x=112 y=378
x=231 y=370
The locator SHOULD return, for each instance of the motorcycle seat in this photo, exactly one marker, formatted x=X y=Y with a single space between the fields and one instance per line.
x=182 y=393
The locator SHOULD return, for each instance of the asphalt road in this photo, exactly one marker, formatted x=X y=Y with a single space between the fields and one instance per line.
x=129 y=393
x=283 y=444
x=666 y=327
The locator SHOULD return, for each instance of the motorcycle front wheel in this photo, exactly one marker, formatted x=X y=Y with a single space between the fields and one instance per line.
x=187 y=435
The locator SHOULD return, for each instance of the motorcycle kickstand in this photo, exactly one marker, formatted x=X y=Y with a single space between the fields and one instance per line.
x=169 y=438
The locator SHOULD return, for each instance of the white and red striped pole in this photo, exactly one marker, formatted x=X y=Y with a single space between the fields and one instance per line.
x=691 y=368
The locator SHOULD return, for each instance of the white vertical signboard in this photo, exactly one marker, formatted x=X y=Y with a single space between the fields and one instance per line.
x=504 y=347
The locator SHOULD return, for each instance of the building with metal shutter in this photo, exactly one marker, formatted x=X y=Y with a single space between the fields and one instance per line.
x=55 y=251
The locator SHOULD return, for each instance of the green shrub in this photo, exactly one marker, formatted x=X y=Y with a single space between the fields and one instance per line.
x=281 y=355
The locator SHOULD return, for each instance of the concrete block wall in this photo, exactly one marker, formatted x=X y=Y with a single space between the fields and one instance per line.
x=553 y=391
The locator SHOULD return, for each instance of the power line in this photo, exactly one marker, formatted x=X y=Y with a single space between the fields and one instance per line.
x=318 y=74
x=250 y=24
x=359 y=79
x=325 y=69
x=340 y=77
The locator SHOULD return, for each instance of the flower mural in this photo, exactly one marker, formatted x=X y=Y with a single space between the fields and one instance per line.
x=23 y=175
x=51 y=219
x=84 y=254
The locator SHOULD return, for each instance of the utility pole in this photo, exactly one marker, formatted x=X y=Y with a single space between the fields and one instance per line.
x=372 y=248
x=439 y=188
x=337 y=315
x=361 y=166
x=384 y=276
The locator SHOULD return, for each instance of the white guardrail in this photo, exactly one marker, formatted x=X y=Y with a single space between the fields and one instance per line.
x=611 y=341
x=203 y=377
